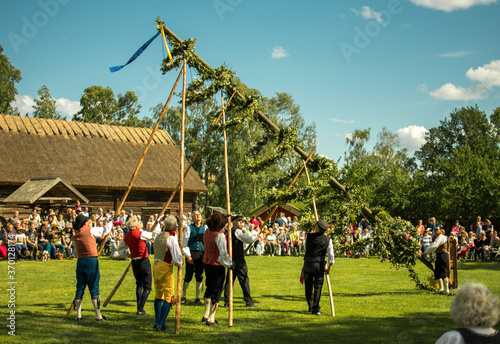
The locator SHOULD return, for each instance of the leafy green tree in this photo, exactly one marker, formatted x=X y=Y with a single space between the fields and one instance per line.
x=45 y=105
x=9 y=75
x=98 y=106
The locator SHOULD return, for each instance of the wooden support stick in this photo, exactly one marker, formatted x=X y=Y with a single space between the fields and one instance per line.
x=230 y=225
x=212 y=128
x=117 y=285
x=181 y=203
x=313 y=200
x=330 y=294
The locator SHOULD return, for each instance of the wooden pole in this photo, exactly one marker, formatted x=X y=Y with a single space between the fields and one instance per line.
x=332 y=308
x=314 y=201
x=230 y=225
x=181 y=203
x=212 y=128
x=117 y=285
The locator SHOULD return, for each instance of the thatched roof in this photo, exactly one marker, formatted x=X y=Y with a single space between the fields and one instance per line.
x=45 y=190
x=89 y=155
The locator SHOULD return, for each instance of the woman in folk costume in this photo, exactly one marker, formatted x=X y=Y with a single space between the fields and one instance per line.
x=167 y=254
x=215 y=261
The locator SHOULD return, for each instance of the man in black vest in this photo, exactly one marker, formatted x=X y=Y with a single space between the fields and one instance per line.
x=317 y=245
x=239 y=238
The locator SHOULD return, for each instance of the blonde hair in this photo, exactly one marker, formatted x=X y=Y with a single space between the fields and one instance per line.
x=132 y=223
x=475 y=306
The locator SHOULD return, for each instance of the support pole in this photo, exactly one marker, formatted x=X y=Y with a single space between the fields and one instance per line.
x=332 y=307
x=313 y=200
x=117 y=285
x=230 y=225
x=181 y=203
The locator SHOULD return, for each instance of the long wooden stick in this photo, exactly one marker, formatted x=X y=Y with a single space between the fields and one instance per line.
x=229 y=232
x=291 y=184
x=330 y=294
x=181 y=203
x=313 y=200
x=117 y=285
x=212 y=128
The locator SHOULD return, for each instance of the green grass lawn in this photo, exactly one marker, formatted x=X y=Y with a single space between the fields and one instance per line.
x=373 y=304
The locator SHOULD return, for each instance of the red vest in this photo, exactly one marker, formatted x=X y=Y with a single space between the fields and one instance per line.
x=137 y=246
x=85 y=243
x=211 y=256
x=168 y=254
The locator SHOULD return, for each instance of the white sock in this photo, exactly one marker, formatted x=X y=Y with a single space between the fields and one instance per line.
x=78 y=307
x=95 y=303
x=213 y=310
x=208 y=305
x=184 y=289
x=199 y=286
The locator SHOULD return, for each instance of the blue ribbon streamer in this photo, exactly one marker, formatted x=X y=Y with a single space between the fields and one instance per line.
x=136 y=54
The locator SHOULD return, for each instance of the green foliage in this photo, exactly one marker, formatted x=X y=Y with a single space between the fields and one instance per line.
x=9 y=75
x=45 y=105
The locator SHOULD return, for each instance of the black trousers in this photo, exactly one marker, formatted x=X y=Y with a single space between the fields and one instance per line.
x=441 y=268
x=143 y=281
x=196 y=268
x=214 y=280
x=240 y=271
x=314 y=271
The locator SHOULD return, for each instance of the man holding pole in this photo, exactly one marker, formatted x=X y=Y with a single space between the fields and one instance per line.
x=135 y=240
x=167 y=254
x=239 y=238
x=440 y=245
x=317 y=246
x=87 y=266
x=192 y=248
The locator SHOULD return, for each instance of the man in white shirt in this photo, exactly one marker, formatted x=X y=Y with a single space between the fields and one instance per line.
x=440 y=245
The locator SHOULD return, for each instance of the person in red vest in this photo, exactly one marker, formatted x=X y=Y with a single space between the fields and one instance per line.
x=167 y=254
x=135 y=240
x=87 y=266
x=215 y=261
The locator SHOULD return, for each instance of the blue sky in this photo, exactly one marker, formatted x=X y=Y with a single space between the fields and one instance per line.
x=400 y=64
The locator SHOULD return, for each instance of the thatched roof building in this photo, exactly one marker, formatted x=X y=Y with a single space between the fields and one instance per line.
x=95 y=159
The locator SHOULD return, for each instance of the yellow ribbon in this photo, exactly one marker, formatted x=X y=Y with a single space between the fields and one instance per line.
x=160 y=27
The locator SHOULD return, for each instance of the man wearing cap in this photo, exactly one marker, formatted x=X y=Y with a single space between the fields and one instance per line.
x=317 y=246
x=135 y=240
x=192 y=248
x=167 y=254
x=440 y=245
x=215 y=261
x=240 y=270
x=87 y=266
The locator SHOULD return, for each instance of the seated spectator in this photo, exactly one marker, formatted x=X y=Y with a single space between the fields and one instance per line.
x=463 y=244
x=477 y=310
x=62 y=223
x=32 y=240
x=21 y=248
x=481 y=245
x=35 y=217
x=366 y=236
x=470 y=247
x=117 y=238
x=255 y=222
x=270 y=243
x=259 y=245
x=67 y=241
x=488 y=229
x=284 y=242
x=54 y=242
x=14 y=217
x=294 y=241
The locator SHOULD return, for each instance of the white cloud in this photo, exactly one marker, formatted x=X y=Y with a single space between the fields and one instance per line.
x=488 y=76
x=278 y=53
x=456 y=54
x=343 y=121
x=451 y=5
x=368 y=13
x=25 y=103
x=412 y=137
x=67 y=107
x=343 y=135
x=452 y=92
